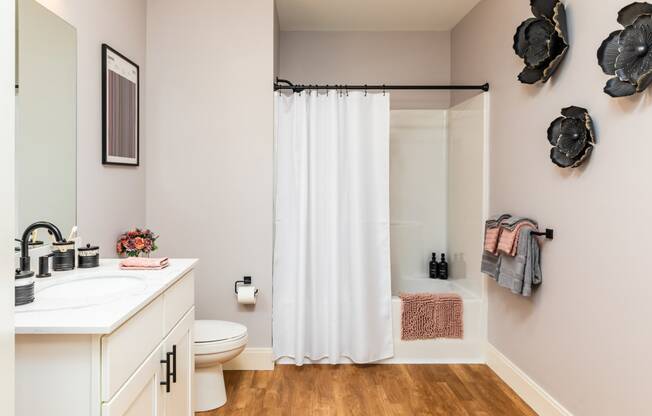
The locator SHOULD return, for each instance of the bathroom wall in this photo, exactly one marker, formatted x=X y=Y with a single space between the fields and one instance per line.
x=7 y=108
x=418 y=191
x=584 y=336
x=210 y=153
x=371 y=58
x=110 y=199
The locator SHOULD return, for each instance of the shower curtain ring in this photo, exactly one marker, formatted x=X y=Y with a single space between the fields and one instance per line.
x=383 y=90
x=365 y=90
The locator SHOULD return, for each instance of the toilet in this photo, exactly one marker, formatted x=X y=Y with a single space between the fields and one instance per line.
x=215 y=342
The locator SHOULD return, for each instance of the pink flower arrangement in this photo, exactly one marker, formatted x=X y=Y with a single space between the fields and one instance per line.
x=135 y=242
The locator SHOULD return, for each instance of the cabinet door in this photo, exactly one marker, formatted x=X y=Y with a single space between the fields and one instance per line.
x=141 y=394
x=178 y=401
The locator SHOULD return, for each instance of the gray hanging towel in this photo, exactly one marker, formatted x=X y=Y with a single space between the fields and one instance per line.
x=521 y=272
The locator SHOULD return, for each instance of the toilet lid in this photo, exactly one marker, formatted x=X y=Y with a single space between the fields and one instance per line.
x=212 y=331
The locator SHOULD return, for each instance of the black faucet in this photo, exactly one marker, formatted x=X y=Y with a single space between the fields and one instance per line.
x=24 y=244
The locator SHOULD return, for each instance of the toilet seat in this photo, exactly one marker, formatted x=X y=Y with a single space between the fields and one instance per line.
x=212 y=337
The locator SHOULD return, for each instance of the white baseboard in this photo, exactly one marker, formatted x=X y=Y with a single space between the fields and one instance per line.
x=433 y=361
x=252 y=359
x=531 y=393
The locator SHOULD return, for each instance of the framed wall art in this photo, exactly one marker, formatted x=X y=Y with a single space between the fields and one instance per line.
x=120 y=109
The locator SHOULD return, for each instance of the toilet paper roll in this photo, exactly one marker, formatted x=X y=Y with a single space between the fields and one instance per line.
x=247 y=295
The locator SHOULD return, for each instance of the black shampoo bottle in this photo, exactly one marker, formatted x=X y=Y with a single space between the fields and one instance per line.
x=442 y=269
x=434 y=269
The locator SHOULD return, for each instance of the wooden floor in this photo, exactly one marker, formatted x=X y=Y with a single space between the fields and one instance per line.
x=375 y=390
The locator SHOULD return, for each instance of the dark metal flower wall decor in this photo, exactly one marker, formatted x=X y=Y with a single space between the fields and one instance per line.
x=627 y=53
x=542 y=41
x=572 y=136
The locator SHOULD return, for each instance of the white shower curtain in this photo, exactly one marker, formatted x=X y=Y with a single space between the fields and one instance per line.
x=332 y=288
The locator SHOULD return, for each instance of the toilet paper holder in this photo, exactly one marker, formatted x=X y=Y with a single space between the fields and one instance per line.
x=245 y=282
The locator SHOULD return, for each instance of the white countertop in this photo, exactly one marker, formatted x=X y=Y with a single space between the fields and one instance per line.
x=110 y=313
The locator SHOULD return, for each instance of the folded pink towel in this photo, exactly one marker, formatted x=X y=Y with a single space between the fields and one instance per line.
x=144 y=263
x=491 y=237
x=508 y=240
x=428 y=316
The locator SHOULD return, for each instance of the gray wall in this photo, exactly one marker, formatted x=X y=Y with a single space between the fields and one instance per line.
x=584 y=336
x=368 y=58
x=110 y=199
x=209 y=176
x=7 y=108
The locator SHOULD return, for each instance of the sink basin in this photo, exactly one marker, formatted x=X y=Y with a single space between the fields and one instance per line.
x=81 y=292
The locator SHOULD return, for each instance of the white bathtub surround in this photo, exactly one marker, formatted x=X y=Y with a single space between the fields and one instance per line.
x=332 y=287
x=468 y=200
x=463 y=199
x=418 y=189
x=438 y=191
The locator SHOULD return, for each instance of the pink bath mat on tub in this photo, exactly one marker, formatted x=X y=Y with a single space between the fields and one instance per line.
x=430 y=315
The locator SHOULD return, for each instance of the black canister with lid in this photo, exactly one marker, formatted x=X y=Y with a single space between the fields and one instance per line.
x=88 y=257
x=63 y=255
x=24 y=287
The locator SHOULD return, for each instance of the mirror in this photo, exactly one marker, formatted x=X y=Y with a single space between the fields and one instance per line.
x=46 y=119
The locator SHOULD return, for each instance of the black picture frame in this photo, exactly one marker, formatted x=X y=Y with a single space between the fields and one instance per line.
x=111 y=58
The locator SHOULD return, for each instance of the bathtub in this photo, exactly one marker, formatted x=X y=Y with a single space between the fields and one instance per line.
x=468 y=350
x=426 y=285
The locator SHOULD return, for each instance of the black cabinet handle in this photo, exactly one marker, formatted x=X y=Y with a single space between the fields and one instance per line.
x=166 y=383
x=174 y=363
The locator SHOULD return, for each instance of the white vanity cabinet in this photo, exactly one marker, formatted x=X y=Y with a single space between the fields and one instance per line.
x=142 y=368
x=161 y=385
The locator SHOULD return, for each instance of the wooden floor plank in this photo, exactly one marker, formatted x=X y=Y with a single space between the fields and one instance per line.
x=376 y=390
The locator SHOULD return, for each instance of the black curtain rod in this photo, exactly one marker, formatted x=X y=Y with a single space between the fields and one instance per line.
x=278 y=85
